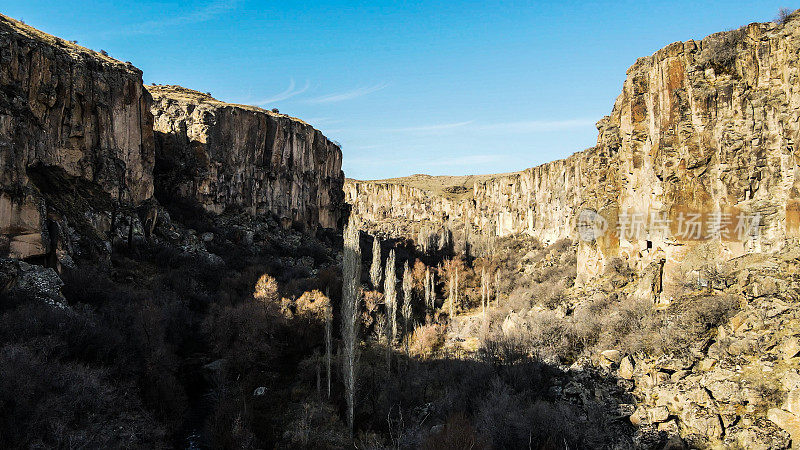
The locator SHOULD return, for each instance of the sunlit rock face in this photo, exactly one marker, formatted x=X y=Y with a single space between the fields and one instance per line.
x=222 y=155
x=705 y=126
x=68 y=116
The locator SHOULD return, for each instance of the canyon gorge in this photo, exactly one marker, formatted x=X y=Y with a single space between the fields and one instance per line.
x=171 y=269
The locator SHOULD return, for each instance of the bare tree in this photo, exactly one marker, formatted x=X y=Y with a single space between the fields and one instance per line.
x=376 y=270
x=484 y=300
x=351 y=295
x=497 y=287
x=484 y=289
x=452 y=295
x=328 y=326
x=408 y=294
x=428 y=294
x=455 y=291
x=783 y=16
x=390 y=292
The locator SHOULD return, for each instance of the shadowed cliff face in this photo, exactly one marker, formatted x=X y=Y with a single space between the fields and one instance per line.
x=222 y=155
x=708 y=126
x=78 y=153
x=79 y=112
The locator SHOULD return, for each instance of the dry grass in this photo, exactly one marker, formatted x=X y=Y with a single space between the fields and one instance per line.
x=451 y=187
x=69 y=46
x=182 y=94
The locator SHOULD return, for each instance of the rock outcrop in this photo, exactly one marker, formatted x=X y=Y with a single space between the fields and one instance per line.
x=79 y=164
x=72 y=121
x=739 y=386
x=702 y=127
x=222 y=155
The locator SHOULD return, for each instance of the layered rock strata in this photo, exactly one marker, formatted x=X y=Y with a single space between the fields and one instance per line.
x=702 y=127
x=222 y=155
x=79 y=162
x=68 y=117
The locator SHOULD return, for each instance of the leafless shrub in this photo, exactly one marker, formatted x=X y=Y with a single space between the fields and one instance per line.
x=783 y=16
x=266 y=289
x=503 y=350
x=549 y=294
x=770 y=392
x=458 y=433
x=312 y=304
x=721 y=50
x=316 y=425
x=620 y=267
x=427 y=339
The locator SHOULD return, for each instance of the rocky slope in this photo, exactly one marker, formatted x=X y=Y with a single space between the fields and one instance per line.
x=69 y=118
x=701 y=127
x=222 y=155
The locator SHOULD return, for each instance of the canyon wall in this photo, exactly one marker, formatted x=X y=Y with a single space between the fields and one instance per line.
x=704 y=129
x=81 y=157
x=222 y=155
x=69 y=117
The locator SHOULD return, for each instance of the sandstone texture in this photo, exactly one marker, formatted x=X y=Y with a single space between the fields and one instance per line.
x=222 y=155
x=69 y=118
x=705 y=126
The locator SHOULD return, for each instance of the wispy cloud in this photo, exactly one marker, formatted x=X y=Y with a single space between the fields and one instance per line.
x=368 y=147
x=533 y=126
x=349 y=95
x=474 y=127
x=430 y=128
x=288 y=93
x=199 y=15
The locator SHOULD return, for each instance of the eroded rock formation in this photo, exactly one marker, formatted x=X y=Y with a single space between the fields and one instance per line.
x=222 y=155
x=705 y=126
x=78 y=156
x=70 y=119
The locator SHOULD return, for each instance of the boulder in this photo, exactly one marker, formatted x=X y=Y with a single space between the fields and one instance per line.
x=626 y=368
x=611 y=356
x=703 y=421
x=787 y=421
x=22 y=281
x=792 y=403
x=639 y=416
x=658 y=414
x=790 y=347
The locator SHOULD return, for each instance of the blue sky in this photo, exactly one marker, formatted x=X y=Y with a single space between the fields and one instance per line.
x=405 y=87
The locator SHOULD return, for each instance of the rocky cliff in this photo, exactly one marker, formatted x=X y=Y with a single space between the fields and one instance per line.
x=71 y=119
x=222 y=155
x=702 y=128
x=81 y=161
